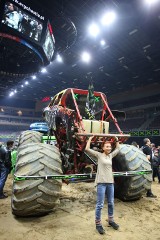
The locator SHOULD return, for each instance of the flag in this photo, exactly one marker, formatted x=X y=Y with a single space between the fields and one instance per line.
x=90 y=103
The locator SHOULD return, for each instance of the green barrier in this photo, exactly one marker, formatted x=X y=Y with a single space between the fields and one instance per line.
x=145 y=133
x=82 y=176
x=49 y=137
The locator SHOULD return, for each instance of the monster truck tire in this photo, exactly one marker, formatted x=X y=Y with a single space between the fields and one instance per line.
x=36 y=197
x=16 y=142
x=131 y=158
x=29 y=137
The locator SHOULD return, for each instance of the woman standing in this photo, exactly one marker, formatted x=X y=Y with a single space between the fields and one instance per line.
x=104 y=182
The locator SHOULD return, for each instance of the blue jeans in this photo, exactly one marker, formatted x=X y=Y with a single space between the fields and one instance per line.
x=3 y=177
x=102 y=190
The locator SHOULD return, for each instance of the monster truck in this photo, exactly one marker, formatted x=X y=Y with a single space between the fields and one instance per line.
x=72 y=116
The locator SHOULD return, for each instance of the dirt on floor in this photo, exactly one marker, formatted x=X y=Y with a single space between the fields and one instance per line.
x=74 y=217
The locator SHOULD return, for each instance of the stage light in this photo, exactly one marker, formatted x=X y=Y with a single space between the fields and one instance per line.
x=86 y=57
x=15 y=91
x=108 y=18
x=34 y=77
x=59 y=58
x=26 y=83
x=93 y=30
x=22 y=86
x=150 y=2
x=102 y=42
x=11 y=94
x=43 y=70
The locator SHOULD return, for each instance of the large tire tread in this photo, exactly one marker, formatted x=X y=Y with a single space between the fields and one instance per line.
x=29 y=136
x=131 y=158
x=36 y=197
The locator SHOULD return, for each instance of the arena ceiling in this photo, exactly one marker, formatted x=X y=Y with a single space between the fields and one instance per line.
x=129 y=60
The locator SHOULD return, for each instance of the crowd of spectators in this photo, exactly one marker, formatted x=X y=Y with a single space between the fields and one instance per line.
x=153 y=155
x=14 y=120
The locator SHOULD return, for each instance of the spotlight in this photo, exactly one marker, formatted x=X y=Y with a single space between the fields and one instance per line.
x=150 y=2
x=15 y=91
x=43 y=70
x=102 y=42
x=11 y=94
x=93 y=30
x=22 y=86
x=26 y=83
x=86 y=57
x=34 y=77
x=59 y=58
x=108 y=18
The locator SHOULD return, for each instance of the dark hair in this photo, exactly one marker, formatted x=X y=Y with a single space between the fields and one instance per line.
x=103 y=143
x=134 y=144
x=10 y=142
x=15 y=8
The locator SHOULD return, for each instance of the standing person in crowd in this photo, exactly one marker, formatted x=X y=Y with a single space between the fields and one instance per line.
x=3 y=171
x=9 y=149
x=153 y=148
x=5 y=165
x=148 y=152
x=156 y=165
x=158 y=149
x=104 y=182
x=135 y=144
